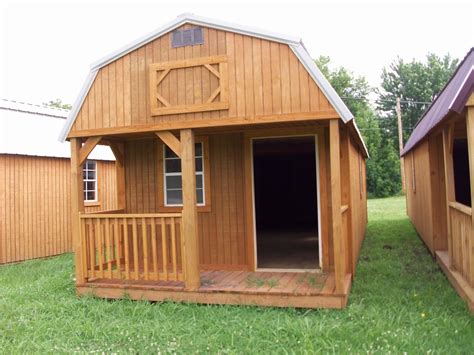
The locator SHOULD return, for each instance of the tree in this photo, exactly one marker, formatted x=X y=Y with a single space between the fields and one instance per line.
x=383 y=174
x=58 y=104
x=416 y=81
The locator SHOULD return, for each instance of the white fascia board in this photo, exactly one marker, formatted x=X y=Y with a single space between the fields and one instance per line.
x=77 y=105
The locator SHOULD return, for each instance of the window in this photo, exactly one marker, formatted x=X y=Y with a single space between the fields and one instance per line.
x=89 y=175
x=462 y=181
x=172 y=177
x=189 y=37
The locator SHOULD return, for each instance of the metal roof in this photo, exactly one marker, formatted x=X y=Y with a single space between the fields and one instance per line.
x=28 y=129
x=452 y=98
x=294 y=43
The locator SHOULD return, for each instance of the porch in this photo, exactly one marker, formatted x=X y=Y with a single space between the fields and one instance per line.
x=141 y=256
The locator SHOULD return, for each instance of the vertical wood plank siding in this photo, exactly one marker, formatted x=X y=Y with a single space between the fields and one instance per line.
x=35 y=205
x=265 y=78
x=419 y=192
x=221 y=230
x=358 y=200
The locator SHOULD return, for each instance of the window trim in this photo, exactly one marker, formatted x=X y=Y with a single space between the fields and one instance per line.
x=161 y=190
x=94 y=202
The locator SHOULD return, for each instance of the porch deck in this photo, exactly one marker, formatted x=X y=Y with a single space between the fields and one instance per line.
x=275 y=289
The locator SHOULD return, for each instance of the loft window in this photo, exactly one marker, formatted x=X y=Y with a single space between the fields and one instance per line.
x=172 y=177
x=188 y=37
x=89 y=175
x=462 y=185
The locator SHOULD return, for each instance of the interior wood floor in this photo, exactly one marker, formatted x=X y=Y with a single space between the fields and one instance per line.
x=287 y=250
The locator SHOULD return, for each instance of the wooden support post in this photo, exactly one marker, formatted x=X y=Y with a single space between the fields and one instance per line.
x=119 y=152
x=470 y=148
x=346 y=195
x=449 y=181
x=77 y=204
x=190 y=219
x=338 y=242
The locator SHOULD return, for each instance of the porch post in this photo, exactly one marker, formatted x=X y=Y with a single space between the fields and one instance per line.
x=77 y=204
x=470 y=149
x=189 y=218
x=338 y=242
x=449 y=181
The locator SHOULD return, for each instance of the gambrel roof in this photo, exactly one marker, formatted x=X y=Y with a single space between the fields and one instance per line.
x=295 y=44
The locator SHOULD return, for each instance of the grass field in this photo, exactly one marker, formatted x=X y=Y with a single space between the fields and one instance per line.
x=401 y=302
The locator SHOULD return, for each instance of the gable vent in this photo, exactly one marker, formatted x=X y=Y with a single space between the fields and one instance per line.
x=189 y=37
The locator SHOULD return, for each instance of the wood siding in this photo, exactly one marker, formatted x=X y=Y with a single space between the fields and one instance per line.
x=358 y=200
x=221 y=229
x=264 y=79
x=419 y=192
x=35 y=205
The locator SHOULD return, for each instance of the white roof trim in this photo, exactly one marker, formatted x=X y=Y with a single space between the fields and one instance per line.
x=295 y=44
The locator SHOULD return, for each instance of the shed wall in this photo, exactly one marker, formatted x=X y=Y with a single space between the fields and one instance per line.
x=419 y=192
x=35 y=205
x=358 y=200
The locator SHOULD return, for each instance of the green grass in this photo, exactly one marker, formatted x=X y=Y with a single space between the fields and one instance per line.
x=400 y=302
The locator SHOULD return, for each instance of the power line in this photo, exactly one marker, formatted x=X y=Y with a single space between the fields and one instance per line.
x=389 y=101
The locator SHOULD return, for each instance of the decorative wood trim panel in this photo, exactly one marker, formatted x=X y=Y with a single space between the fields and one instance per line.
x=218 y=99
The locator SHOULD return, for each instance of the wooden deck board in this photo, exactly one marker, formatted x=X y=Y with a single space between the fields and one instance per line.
x=277 y=289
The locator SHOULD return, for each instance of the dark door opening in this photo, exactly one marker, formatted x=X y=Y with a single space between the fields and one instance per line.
x=286 y=208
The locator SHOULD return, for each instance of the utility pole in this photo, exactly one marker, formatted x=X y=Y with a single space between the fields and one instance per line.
x=400 y=142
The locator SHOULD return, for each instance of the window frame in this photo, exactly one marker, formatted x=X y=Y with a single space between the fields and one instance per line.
x=206 y=172
x=96 y=183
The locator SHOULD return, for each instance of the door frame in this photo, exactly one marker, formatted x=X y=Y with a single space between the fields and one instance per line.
x=250 y=193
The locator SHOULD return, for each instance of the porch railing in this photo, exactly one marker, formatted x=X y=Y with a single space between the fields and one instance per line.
x=461 y=240
x=132 y=246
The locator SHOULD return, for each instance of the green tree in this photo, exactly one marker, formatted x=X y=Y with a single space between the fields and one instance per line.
x=58 y=104
x=383 y=174
x=417 y=82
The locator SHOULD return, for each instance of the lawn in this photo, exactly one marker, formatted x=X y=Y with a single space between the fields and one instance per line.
x=400 y=302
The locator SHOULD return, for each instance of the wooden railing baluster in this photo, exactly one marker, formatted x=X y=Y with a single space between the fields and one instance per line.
x=154 y=247
x=135 y=248
x=117 y=248
x=145 y=249
x=110 y=251
x=164 y=248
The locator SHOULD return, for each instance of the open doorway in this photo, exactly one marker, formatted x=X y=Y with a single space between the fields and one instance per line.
x=286 y=202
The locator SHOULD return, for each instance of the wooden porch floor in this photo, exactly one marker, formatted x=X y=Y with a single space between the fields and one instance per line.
x=275 y=289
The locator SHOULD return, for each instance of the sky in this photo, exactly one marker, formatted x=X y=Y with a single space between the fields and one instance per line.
x=46 y=48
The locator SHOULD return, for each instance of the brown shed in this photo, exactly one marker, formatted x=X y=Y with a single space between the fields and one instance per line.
x=35 y=186
x=241 y=173
x=439 y=174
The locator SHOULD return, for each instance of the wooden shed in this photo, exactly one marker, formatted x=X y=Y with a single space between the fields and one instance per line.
x=439 y=174
x=35 y=184
x=241 y=173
